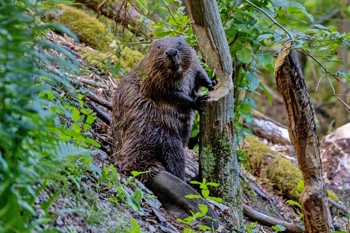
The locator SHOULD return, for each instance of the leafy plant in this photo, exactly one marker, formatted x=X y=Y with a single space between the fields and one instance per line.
x=203 y=209
x=278 y=228
x=250 y=228
x=35 y=145
x=204 y=190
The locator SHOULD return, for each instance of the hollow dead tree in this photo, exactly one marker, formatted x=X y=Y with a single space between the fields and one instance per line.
x=218 y=162
x=302 y=132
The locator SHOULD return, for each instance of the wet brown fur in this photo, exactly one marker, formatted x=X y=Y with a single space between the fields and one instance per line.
x=153 y=109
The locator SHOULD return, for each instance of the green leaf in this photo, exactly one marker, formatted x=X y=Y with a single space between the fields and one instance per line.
x=75 y=114
x=245 y=55
x=213 y=184
x=217 y=199
x=86 y=127
x=203 y=208
x=76 y=127
x=90 y=119
x=93 y=142
x=142 y=5
x=264 y=37
x=135 y=226
x=192 y=196
x=244 y=108
x=267 y=93
x=297 y=7
x=278 y=228
x=138 y=195
x=253 y=81
x=161 y=32
x=204 y=228
x=205 y=192
x=291 y=202
x=136 y=173
x=86 y=111
x=280 y=4
x=264 y=58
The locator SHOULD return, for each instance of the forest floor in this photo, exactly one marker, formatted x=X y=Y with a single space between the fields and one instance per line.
x=96 y=206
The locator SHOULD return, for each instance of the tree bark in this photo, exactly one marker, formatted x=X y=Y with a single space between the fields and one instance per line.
x=302 y=133
x=218 y=162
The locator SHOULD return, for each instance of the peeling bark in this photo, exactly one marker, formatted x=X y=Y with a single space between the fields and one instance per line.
x=302 y=133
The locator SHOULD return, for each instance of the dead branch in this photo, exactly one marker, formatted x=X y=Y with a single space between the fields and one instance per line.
x=270 y=221
x=339 y=206
x=93 y=97
x=101 y=114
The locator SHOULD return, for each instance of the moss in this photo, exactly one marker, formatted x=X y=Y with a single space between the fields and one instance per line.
x=255 y=152
x=278 y=172
x=102 y=61
x=285 y=176
x=332 y=195
x=88 y=29
x=92 y=32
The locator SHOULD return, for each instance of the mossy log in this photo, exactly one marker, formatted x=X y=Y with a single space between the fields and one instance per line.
x=126 y=16
x=92 y=32
x=275 y=171
x=272 y=169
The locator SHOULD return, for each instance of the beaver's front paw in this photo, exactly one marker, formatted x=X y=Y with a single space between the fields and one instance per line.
x=200 y=101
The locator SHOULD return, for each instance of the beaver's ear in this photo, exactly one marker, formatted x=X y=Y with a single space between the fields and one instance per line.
x=182 y=39
x=155 y=44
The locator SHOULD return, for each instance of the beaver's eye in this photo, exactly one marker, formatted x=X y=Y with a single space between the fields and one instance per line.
x=180 y=43
x=158 y=47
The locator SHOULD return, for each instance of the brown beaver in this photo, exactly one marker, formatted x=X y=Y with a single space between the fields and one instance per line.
x=153 y=109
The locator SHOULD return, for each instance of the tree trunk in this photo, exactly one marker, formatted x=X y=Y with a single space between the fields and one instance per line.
x=218 y=162
x=302 y=133
x=341 y=112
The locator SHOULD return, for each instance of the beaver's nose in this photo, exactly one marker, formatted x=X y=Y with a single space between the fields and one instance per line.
x=171 y=52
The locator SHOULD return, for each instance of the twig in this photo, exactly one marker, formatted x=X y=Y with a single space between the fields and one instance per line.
x=101 y=114
x=346 y=106
x=338 y=206
x=98 y=100
x=322 y=67
x=99 y=7
x=92 y=83
x=92 y=96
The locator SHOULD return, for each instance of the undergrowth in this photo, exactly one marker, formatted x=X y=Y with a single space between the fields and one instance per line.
x=37 y=147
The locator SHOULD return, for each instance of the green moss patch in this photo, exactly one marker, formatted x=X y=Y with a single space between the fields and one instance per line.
x=275 y=170
x=95 y=34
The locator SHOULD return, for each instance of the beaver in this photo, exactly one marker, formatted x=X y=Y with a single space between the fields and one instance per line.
x=153 y=109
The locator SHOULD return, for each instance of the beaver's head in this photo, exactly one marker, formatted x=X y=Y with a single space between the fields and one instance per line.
x=172 y=55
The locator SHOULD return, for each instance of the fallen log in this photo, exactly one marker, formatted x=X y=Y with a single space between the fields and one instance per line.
x=270 y=221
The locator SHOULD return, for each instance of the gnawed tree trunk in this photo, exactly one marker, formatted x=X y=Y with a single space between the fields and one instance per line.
x=302 y=133
x=218 y=162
